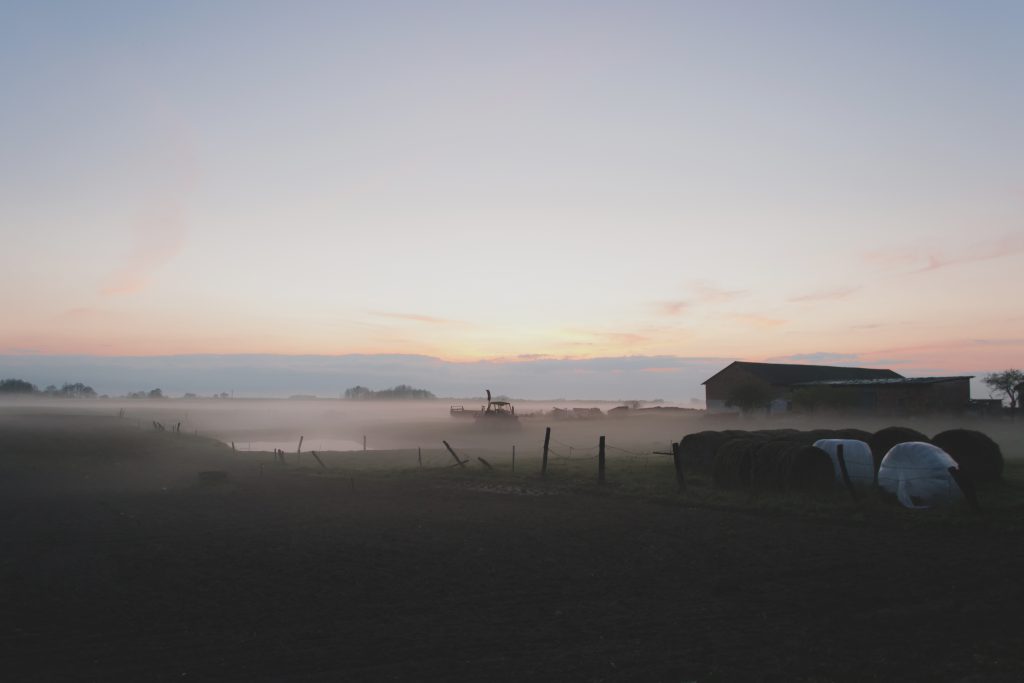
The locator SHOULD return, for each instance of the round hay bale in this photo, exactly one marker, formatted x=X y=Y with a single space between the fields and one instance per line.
x=978 y=456
x=810 y=469
x=860 y=464
x=736 y=434
x=698 y=450
x=775 y=434
x=769 y=469
x=809 y=436
x=917 y=475
x=731 y=468
x=883 y=440
x=853 y=435
x=813 y=435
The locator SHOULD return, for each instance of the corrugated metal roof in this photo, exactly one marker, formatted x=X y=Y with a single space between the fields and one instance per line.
x=880 y=381
x=785 y=374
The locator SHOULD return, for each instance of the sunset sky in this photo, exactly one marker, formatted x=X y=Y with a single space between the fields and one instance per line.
x=836 y=182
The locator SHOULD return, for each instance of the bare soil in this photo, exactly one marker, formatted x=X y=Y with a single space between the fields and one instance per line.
x=118 y=562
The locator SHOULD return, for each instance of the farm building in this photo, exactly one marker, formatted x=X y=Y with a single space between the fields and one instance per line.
x=786 y=387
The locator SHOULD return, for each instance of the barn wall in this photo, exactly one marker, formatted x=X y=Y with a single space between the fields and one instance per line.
x=916 y=399
x=718 y=388
x=952 y=396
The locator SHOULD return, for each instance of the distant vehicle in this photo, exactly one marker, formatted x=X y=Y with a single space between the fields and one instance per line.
x=493 y=414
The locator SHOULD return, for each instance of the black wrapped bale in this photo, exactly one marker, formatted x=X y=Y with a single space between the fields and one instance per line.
x=769 y=470
x=775 y=434
x=698 y=450
x=978 y=456
x=808 y=437
x=884 y=439
x=810 y=469
x=813 y=435
x=731 y=469
x=736 y=434
x=854 y=434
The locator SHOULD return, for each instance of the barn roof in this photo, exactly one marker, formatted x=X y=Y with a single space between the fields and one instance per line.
x=785 y=374
x=884 y=381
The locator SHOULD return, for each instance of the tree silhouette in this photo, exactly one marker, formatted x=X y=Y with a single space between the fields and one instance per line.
x=17 y=386
x=1008 y=383
x=401 y=392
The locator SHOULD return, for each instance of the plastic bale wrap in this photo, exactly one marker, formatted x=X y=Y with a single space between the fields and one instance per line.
x=978 y=456
x=860 y=464
x=884 y=439
x=810 y=469
x=917 y=474
x=732 y=464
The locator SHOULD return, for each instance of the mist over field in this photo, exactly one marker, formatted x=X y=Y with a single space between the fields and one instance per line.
x=341 y=425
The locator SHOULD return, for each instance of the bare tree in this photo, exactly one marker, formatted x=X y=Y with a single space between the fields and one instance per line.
x=1008 y=383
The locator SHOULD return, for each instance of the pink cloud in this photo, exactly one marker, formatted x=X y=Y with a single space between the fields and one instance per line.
x=92 y=314
x=415 y=317
x=622 y=337
x=758 y=321
x=712 y=294
x=160 y=236
x=825 y=295
x=951 y=355
x=928 y=257
x=673 y=307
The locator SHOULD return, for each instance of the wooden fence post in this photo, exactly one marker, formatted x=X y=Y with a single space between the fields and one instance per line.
x=544 y=461
x=457 y=458
x=600 y=461
x=322 y=465
x=677 y=460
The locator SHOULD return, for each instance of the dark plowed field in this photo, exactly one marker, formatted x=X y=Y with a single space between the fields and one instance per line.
x=119 y=564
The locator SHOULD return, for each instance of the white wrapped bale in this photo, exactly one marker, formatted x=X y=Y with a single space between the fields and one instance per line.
x=857 y=456
x=918 y=475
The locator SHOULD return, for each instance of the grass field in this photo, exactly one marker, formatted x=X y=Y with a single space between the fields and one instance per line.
x=120 y=563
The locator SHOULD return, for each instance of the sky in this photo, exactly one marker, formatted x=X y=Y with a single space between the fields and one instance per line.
x=836 y=182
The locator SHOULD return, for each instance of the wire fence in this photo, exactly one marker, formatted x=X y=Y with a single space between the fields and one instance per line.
x=565 y=460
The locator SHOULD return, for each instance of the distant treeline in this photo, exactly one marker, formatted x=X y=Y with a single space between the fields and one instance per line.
x=70 y=390
x=402 y=391
x=152 y=393
x=20 y=386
